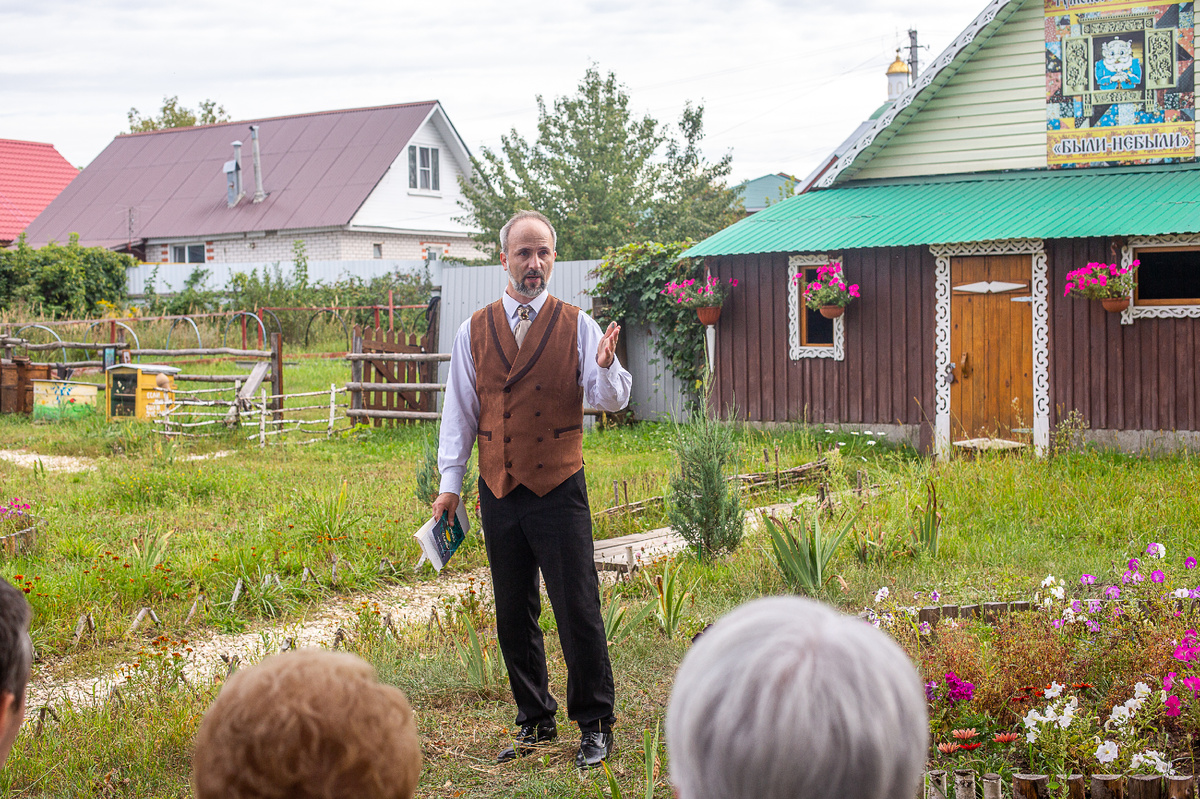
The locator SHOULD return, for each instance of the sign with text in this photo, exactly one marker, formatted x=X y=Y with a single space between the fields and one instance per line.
x=1119 y=86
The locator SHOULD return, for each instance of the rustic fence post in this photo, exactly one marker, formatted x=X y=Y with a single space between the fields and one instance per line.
x=991 y=786
x=1030 y=786
x=277 y=374
x=1181 y=787
x=356 y=371
x=332 y=401
x=937 y=785
x=1144 y=786
x=1108 y=786
x=964 y=784
x=1076 y=785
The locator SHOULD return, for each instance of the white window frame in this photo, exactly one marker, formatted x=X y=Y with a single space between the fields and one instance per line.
x=377 y=249
x=797 y=351
x=434 y=251
x=418 y=173
x=185 y=247
x=1132 y=312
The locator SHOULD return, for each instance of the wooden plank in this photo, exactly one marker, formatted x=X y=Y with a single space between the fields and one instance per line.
x=371 y=413
x=196 y=351
x=254 y=380
x=768 y=332
x=395 y=386
x=387 y=357
x=857 y=336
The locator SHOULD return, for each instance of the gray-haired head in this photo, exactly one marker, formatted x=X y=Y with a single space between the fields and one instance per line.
x=786 y=697
x=16 y=650
x=517 y=217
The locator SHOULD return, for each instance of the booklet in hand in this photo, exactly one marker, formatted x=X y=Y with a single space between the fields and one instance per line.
x=439 y=538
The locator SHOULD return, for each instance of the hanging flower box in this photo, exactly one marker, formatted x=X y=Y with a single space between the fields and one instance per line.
x=829 y=294
x=1112 y=285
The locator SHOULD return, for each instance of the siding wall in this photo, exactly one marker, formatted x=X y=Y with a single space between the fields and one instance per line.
x=990 y=115
x=170 y=278
x=331 y=245
x=1119 y=377
x=887 y=376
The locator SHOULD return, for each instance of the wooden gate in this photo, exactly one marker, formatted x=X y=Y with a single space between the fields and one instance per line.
x=991 y=345
x=377 y=340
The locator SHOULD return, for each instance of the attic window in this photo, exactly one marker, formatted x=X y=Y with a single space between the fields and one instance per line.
x=187 y=253
x=423 y=168
x=1168 y=276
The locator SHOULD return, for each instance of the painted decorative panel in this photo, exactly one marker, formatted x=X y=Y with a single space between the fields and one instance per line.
x=1119 y=83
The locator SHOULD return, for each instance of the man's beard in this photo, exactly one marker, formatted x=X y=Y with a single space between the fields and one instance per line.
x=519 y=285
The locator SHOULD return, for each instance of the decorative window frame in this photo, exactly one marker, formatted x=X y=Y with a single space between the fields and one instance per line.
x=1157 y=311
x=1040 y=291
x=797 y=350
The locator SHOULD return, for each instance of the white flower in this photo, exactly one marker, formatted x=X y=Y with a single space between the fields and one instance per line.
x=1046 y=603
x=1068 y=615
x=1032 y=718
x=1032 y=735
x=882 y=594
x=1057 y=592
x=870 y=443
x=1141 y=690
x=1154 y=759
x=1049 y=581
x=868 y=433
x=1134 y=704
x=1055 y=690
x=1066 y=718
x=1180 y=593
x=1051 y=714
x=1156 y=550
x=1106 y=752
x=1120 y=715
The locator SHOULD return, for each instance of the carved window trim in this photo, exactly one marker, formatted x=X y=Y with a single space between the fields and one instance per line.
x=796 y=350
x=1132 y=312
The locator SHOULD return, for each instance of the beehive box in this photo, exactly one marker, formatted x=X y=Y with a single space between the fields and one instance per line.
x=55 y=400
x=139 y=390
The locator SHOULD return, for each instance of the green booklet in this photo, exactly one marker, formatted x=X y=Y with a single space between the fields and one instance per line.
x=440 y=538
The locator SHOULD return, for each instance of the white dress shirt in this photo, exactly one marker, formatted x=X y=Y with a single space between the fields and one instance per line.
x=606 y=389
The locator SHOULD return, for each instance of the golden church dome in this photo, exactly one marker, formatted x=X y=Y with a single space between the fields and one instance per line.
x=898 y=66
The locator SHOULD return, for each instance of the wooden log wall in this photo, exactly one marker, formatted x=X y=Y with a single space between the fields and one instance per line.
x=1142 y=376
x=887 y=376
x=1036 y=786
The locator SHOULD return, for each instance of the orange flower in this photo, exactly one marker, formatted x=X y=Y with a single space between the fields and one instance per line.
x=969 y=747
x=1006 y=737
x=965 y=735
x=948 y=748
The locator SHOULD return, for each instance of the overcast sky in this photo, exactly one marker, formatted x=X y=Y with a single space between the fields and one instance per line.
x=781 y=82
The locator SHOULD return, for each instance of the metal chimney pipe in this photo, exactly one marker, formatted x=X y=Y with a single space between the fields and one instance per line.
x=259 y=194
x=237 y=179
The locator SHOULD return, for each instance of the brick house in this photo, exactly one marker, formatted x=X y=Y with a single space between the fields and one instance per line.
x=355 y=184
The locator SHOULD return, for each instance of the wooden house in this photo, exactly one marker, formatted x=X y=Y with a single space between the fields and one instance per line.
x=1015 y=158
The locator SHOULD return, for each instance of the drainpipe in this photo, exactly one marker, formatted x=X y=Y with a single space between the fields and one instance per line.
x=259 y=194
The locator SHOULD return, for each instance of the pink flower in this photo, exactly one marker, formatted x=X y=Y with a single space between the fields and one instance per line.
x=733 y=282
x=1190 y=563
x=1157 y=576
x=1112 y=592
x=1088 y=579
x=853 y=289
x=1173 y=705
x=1169 y=681
x=1193 y=685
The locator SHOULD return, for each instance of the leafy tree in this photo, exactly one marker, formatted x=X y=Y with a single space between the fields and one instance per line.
x=593 y=172
x=174 y=115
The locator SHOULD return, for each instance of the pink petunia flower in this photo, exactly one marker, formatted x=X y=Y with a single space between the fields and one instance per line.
x=1173 y=705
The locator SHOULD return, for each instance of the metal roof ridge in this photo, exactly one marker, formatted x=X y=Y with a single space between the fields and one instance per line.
x=277 y=118
x=945 y=61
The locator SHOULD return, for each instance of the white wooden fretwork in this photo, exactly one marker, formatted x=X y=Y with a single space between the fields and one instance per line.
x=1039 y=289
x=797 y=350
x=1157 y=311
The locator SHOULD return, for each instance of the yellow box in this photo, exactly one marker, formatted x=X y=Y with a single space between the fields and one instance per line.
x=139 y=391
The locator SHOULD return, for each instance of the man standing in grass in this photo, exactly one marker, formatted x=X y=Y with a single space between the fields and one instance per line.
x=520 y=370
x=16 y=658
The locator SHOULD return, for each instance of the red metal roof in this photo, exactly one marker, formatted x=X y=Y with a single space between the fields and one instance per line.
x=31 y=175
x=317 y=170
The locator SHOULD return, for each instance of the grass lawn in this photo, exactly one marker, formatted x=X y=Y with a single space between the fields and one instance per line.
x=150 y=527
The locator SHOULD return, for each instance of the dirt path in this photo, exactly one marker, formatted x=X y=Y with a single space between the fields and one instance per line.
x=406 y=605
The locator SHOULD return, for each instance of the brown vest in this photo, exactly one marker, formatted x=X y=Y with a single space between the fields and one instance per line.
x=530 y=401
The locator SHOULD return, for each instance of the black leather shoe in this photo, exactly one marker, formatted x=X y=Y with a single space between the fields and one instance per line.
x=594 y=748
x=527 y=740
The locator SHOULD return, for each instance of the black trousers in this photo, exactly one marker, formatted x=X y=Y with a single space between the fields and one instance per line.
x=524 y=532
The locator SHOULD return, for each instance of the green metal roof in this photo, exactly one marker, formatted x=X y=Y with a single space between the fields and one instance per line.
x=1068 y=203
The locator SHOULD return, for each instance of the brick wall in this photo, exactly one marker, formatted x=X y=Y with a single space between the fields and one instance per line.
x=326 y=246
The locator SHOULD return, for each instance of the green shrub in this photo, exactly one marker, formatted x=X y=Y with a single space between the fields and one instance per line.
x=701 y=505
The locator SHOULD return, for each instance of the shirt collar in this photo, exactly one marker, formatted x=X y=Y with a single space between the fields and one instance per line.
x=511 y=306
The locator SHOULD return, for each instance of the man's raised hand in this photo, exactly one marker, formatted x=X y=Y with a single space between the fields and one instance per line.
x=606 y=351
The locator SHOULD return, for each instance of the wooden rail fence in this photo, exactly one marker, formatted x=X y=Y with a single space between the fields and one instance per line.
x=966 y=784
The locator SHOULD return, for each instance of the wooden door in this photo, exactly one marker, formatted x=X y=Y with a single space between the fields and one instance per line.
x=991 y=346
